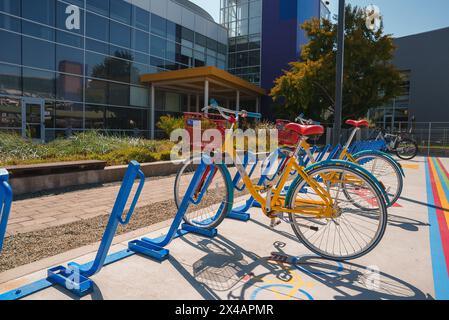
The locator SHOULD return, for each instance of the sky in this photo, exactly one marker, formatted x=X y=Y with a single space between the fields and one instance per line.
x=401 y=17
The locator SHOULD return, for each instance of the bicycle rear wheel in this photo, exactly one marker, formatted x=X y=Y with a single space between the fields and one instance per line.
x=385 y=171
x=354 y=231
x=407 y=149
x=213 y=198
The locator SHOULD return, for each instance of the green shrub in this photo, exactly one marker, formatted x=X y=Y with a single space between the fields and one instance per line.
x=15 y=150
x=168 y=124
x=126 y=155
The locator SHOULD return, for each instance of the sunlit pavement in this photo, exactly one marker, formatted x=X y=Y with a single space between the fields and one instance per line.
x=410 y=263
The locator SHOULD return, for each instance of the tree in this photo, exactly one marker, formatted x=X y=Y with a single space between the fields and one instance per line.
x=370 y=79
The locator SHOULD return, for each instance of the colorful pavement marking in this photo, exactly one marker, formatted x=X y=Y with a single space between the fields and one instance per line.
x=437 y=179
x=410 y=166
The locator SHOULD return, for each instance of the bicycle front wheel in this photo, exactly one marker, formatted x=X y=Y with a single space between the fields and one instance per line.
x=212 y=199
x=354 y=230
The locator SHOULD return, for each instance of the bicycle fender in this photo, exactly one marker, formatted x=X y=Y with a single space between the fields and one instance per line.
x=382 y=154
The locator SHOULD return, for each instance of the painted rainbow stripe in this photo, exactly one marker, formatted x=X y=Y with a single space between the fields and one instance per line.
x=437 y=179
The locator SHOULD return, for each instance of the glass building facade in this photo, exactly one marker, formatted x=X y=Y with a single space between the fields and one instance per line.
x=75 y=65
x=243 y=19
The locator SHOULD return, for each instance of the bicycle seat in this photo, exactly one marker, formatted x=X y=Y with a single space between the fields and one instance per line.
x=358 y=124
x=305 y=130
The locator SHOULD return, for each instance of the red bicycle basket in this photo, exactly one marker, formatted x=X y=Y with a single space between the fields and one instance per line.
x=216 y=121
x=286 y=137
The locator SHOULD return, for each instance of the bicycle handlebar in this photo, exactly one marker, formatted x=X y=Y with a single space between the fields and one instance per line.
x=226 y=113
x=303 y=121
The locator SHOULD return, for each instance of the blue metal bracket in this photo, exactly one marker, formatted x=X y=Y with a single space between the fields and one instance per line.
x=156 y=248
x=75 y=278
x=5 y=204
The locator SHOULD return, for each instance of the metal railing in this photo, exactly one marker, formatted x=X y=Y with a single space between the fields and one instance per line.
x=432 y=137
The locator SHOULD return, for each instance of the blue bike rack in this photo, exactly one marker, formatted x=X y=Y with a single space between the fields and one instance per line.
x=5 y=204
x=155 y=248
x=75 y=277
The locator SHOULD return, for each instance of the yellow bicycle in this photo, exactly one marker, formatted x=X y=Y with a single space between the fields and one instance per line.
x=336 y=208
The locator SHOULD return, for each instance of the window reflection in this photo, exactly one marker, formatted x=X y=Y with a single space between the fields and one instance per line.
x=37 y=83
x=69 y=116
x=10 y=113
x=10 y=80
x=69 y=87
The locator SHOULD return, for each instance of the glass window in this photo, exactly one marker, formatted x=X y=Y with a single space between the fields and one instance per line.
x=158 y=25
x=69 y=87
x=242 y=59
x=212 y=44
x=211 y=61
x=255 y=26
x=255 y=9
x=38 y=31
x=14 y=52
x=141 y=57
x=120 y=52
x=10 y=6
x=95 y=117
x=119 y=70
x=38 y=53
x=97 y=27
x=141 y=18
x=38 y=83
x=69 y=60
x=69 y=39
x=171 y=51
x=124 y=118
x=254 y=58
x=96 y=65
x=120 y=35
x=188 y=37
x=139 y=97
x=42 y=11
x=171 y=31
x=97 y=46
x=69 y=115
x=121 y=11
x=10 y=113
x=200 y=59
x=158 y=46
x=157 y=62
x=98 y=6
x=118 y=94
x=96 y=91
x=10 y=23
x=141 y=41
x=200 y=40
x=10 y=80
x=69 y=20
x=138 y=70
x=254 y=42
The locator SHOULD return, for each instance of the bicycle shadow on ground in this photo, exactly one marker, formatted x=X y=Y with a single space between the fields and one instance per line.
x=406 y=224
x=425 y=204
x=228 y=271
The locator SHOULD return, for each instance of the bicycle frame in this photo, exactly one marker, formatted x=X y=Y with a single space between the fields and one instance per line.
x=274 y=200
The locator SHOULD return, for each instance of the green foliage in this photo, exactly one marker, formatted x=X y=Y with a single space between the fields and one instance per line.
x=84 y=146
x=168 y=124
x=370 y=79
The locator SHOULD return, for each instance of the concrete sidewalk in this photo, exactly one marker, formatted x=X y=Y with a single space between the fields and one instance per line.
x=234 y=265
x=55 y=210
